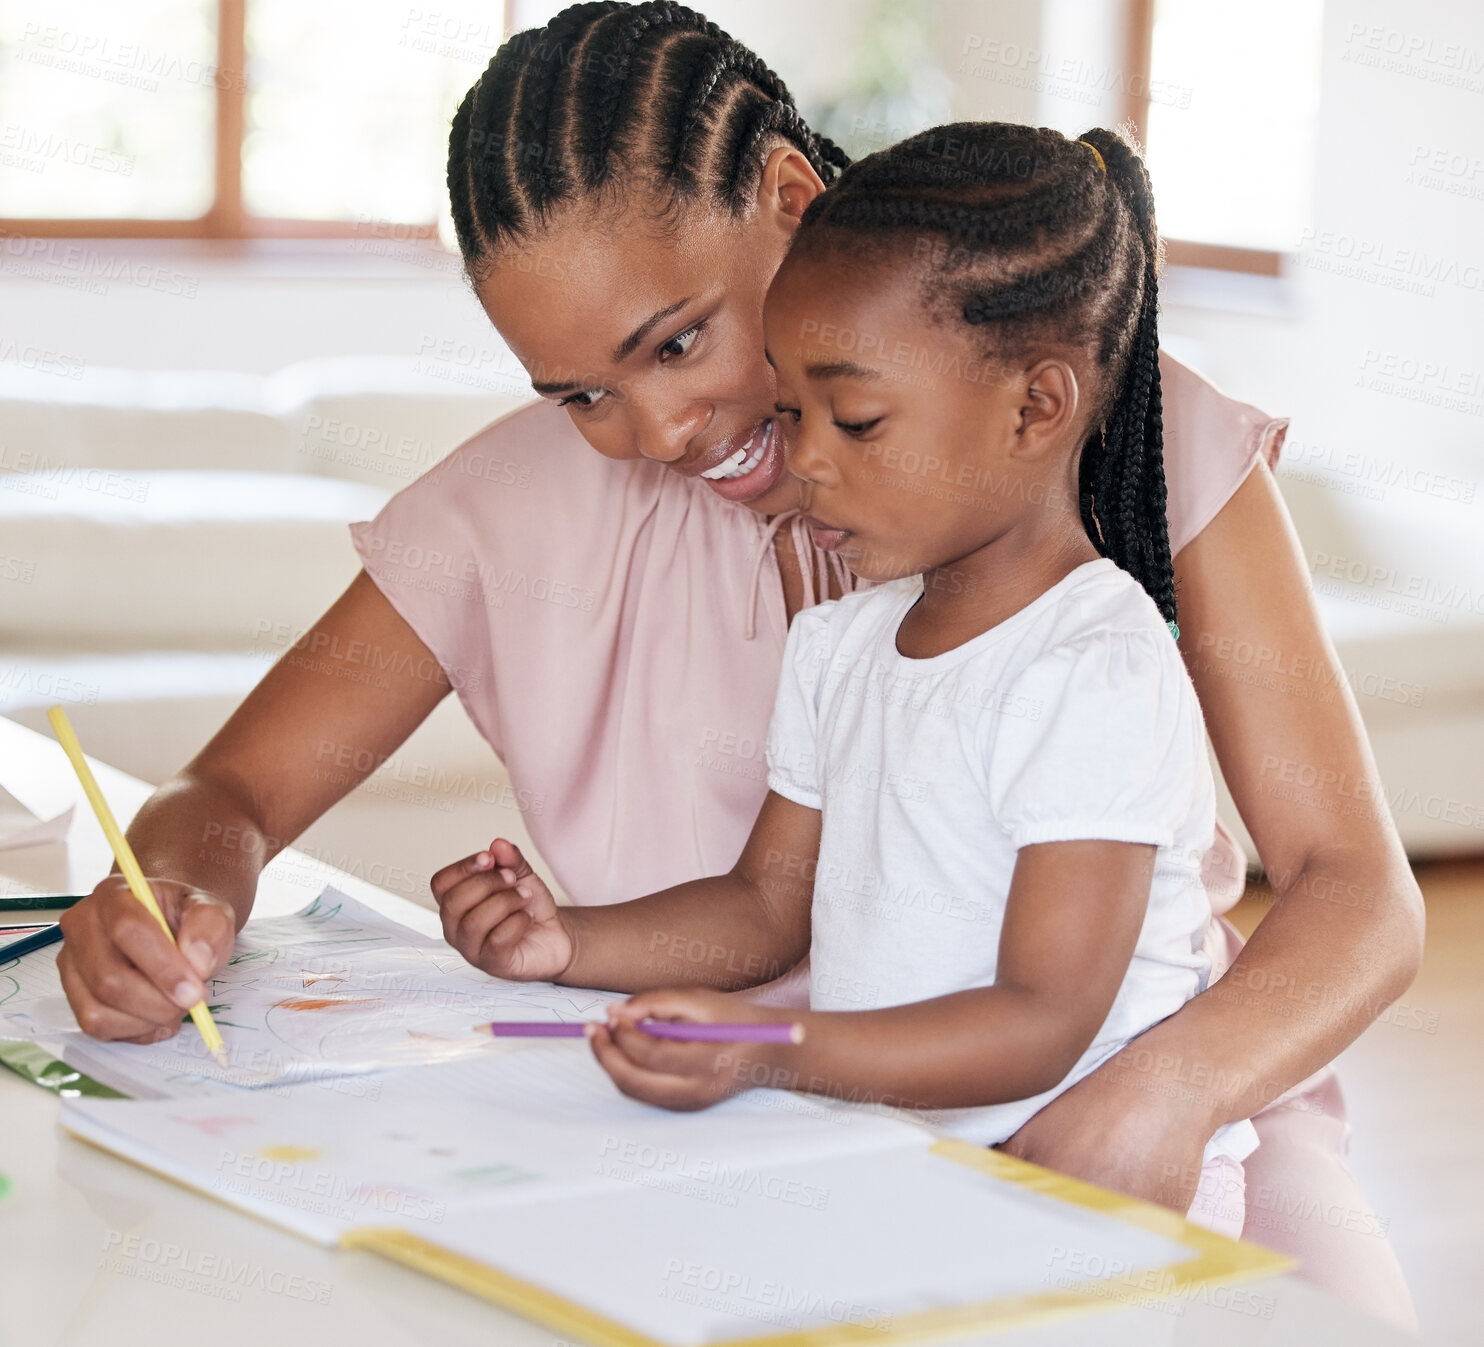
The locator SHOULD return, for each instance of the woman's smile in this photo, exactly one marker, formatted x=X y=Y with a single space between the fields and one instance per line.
x=751 y=465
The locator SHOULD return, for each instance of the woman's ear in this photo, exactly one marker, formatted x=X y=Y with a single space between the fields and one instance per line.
x=788 y=184
x=1048 y=408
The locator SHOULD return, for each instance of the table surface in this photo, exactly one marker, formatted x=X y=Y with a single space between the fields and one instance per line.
x=96 y=1250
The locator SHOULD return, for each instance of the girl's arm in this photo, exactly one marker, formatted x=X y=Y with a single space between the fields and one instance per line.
x=1344 y=937
x=1072 y=921
x=729 y=931
x=284 y=757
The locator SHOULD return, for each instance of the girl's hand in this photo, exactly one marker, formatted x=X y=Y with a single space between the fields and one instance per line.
x=1121 y=1134
x=686 y=1076
x=499 y=914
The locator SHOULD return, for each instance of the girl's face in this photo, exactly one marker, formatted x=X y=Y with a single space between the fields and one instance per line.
x=652 y=337
x=913 y=449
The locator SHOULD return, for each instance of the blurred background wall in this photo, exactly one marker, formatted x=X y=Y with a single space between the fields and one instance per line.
x=1320 y=176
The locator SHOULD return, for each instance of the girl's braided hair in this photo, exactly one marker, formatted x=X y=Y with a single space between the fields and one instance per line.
x=607 y=96
x=1038 y=237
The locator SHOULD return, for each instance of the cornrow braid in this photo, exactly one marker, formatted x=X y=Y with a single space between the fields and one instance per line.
x=614 y=94
x=1039 y=238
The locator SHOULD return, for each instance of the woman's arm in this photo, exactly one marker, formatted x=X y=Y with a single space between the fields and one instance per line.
x=1072 y=921
x=310 y=732
x=1344 y=937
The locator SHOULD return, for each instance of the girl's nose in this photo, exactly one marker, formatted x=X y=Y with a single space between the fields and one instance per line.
x=802 y=456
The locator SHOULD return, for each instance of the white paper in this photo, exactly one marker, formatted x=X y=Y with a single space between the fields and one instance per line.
x=21 y=827
x=333 y=990
x=883 y=1235
x=536 y=1124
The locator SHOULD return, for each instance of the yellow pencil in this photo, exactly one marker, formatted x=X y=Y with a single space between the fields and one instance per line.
x=124 y=854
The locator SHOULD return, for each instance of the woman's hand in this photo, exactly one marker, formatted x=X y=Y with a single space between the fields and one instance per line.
x=123 y=977
x=1122 y=1134
x=499 y=914
x=685 y=1076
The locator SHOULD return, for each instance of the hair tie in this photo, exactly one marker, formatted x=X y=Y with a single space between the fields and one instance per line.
x=1095 y=155
x=1174 y=629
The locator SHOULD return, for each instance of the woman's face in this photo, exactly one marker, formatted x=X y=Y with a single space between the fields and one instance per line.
x=652 y=336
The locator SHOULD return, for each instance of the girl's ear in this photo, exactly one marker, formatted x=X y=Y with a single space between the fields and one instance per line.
x=1048 y=410
x=787 y=186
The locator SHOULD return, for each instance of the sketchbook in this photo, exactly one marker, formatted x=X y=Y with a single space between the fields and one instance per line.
x=769 y=1219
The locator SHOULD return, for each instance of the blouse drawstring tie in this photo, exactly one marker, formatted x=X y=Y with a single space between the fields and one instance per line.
x=816 y=575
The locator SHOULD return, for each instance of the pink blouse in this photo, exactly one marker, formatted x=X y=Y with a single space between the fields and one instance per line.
x=616 y=630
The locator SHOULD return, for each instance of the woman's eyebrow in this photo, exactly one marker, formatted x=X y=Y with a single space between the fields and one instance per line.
x=630 y=344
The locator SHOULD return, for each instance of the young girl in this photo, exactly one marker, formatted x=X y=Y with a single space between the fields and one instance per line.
x=988 y=787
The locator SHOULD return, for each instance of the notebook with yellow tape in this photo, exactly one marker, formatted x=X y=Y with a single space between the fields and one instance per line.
x=524 y=1177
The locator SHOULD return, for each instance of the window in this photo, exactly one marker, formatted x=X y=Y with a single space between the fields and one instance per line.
x=1229 y=115
x=240 y=118
x=232 y=118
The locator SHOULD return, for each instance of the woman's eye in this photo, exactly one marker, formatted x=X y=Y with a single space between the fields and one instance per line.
x=681 y=342
x=857 y=427
x=578 y=398
x=788 y=411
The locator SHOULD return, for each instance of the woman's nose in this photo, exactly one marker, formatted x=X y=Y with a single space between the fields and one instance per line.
x=664 y=436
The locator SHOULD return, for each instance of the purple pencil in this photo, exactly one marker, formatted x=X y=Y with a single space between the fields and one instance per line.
x=677 y=1029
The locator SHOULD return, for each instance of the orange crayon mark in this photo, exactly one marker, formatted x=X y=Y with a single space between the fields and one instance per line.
x=322 y=1002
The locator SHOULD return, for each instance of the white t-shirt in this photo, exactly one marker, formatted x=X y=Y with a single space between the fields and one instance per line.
x=1072 y=719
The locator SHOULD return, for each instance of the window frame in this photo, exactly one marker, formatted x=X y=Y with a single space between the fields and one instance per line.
x=1138 y=65
x=228 y=219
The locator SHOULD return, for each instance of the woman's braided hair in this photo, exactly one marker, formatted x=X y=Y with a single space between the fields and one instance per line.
x=1029 y=234
x=609 y=96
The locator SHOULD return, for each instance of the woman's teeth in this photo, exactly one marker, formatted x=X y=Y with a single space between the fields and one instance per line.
x=739 y=464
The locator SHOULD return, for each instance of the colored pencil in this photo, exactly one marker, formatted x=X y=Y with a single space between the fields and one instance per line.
x=128 y=865
x=41 y=902
x=683 y=1030
x=48 y=935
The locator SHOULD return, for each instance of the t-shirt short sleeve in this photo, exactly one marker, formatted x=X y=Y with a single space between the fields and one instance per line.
x=1115 y=748
x=793 y=733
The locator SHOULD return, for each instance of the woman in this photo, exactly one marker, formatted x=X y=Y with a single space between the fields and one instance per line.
x=624 y=184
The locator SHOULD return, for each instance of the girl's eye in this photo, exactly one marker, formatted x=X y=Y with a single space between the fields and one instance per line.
x=788 y=411
x=681 y=343
x=577 y=398
x=857 y=427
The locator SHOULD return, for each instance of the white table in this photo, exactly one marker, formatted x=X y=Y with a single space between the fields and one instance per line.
x=94 y=1250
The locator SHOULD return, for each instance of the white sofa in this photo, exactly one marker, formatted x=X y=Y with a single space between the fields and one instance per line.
x=162 y=535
